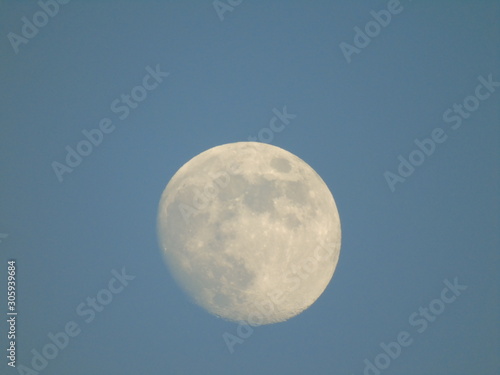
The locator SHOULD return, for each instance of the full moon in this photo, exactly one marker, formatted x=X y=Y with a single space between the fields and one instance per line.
x=250 y=232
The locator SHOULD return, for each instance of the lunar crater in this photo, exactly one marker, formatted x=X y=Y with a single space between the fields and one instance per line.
x=281 y=165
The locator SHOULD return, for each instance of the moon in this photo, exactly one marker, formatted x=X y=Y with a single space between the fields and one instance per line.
x=250 y=232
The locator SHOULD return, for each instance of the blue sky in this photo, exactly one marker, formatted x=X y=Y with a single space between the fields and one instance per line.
x=226 y=74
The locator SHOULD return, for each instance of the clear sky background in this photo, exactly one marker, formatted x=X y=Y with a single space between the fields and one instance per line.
x=226 y=76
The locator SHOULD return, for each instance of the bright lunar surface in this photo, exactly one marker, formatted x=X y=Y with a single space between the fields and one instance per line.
x=250 y=231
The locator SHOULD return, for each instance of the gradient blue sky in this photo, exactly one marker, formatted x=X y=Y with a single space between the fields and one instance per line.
x=353 y=120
